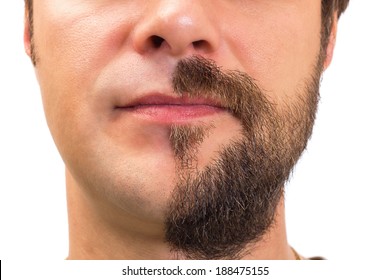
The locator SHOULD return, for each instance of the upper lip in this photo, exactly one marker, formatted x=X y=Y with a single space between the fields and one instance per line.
x=161 y=99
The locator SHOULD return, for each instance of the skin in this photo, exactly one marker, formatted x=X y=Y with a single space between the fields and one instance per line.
x=93 y=56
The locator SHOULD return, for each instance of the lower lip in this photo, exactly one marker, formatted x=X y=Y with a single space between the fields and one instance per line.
x=173 y=113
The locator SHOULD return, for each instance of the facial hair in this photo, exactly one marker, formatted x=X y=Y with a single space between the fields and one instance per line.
x=216 y=212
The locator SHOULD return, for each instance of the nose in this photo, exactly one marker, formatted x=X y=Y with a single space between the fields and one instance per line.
x=177 y=28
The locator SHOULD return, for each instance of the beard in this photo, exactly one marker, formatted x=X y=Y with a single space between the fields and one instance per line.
x=218 y=211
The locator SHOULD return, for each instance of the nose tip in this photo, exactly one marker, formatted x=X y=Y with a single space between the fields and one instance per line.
x=177 y=29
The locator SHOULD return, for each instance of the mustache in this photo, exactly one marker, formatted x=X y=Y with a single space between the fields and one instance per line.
x=237 y=91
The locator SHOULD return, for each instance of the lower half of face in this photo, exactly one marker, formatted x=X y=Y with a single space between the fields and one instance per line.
x=216 y=170
x=203 y=149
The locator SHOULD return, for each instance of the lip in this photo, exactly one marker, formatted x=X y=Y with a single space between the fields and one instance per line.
x=168 y=109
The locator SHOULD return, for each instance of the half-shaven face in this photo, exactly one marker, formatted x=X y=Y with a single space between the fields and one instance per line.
x=183 y=120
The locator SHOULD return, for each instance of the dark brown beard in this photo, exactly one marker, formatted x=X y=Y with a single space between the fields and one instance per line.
x=216 y=212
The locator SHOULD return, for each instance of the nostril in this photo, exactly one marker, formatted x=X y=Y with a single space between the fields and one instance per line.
x=157 y=41
x=198 y=43
x=201 y=44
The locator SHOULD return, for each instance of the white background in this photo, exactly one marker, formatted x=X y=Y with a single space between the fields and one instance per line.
x=337 y=199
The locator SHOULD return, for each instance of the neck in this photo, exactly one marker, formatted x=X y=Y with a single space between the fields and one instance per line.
x=98 y=230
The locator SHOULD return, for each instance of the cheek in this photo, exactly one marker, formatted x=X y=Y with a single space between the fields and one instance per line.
x=279 y=52
x=73 y=45
x=76 y=46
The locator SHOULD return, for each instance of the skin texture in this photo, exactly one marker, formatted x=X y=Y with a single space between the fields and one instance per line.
x=95 y=56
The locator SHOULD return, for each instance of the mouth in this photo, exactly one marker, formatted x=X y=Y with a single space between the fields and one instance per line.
x=172 y=110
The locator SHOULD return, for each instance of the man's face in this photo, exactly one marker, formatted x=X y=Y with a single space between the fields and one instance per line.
x=134 y=133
